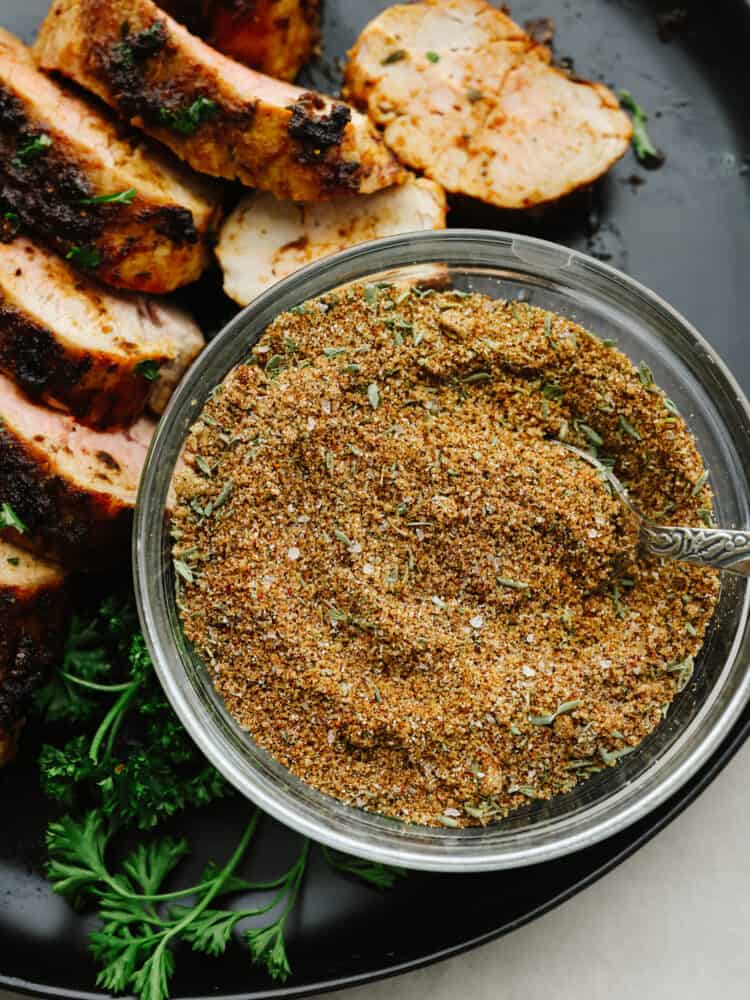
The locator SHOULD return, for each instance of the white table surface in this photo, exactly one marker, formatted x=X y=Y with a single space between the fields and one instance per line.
x=672 y=922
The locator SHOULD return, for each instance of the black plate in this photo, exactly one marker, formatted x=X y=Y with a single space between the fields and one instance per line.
x=685 y=231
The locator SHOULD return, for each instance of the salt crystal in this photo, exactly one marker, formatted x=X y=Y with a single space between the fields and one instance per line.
x=311 y=423
x=331 y=736
x=528 y=671
x=530 y=638
x=450 y=811
x=593 y=533
x=477 y=621
x=604 y=663
x=326 y=406
x=355 y=548
x=293 y=553
x=368 y=569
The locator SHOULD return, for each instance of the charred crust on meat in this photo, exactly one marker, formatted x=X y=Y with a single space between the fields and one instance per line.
x=29 y=646
x=318 y=135
x=64 y=521
x=11 y=110
x=34 y=357
x=177 y=225
x=123 y=65
x=18 y=686
x=106 y=459
x=42 y=193
x=314 y=130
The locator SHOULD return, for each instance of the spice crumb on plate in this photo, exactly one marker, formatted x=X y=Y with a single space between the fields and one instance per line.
x=404 y=588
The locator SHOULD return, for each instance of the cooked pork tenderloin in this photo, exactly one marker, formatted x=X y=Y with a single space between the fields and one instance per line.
x=93 y=191
x=221 y=117
x=465 y=95
x=71 y=488
x=72 y=344
x=276 y=37
x=33 y=612
x=264 y=240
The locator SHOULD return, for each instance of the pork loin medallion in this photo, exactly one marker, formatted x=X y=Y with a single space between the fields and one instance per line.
x=72 y=344
x=465 y=95
x=221 y=117
x=33 y=614
x=276 y=37
x=95 y=192
x=264 y=240
x=71 y=489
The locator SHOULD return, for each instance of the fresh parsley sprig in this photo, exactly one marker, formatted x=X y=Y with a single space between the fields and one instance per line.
x=130 y=768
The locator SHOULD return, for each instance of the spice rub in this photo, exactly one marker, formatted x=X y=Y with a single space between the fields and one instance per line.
x=404 y=588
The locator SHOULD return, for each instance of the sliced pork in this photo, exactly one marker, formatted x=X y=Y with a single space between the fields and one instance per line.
x=33 y=612
x=276 y=37
x=93 y=191
x=463 y=94
x=264 y=240
x=74 y=345
x=71 y=488
x=221 y=117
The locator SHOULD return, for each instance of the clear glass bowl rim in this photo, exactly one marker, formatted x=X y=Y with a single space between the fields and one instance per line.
x=335 y=824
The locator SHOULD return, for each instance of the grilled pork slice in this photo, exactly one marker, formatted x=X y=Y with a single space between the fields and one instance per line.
x=465 y=95
x=264 y=240
x=276 y=37
x=72 y=488
x=222 y=118
x=68 y=342
x=94 y=192
x=33 y=609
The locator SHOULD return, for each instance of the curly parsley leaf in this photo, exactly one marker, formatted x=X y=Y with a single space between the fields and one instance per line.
x=373 y=872
x=132 y=767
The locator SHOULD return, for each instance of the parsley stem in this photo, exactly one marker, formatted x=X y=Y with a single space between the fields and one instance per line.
x=95 y=687
x=299 y=871
x=218 y=882
x=119 y=707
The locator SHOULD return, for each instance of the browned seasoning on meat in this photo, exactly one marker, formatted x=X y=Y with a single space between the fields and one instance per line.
x=405 y=590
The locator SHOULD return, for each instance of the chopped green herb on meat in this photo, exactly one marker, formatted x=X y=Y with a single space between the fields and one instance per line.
x=188 y=120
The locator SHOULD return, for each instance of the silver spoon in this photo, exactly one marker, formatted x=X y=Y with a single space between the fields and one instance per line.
x=721 y=548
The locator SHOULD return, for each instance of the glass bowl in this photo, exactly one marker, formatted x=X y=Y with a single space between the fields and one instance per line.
x=604 y=301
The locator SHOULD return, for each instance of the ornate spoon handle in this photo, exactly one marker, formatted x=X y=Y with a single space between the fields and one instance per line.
x=721 y=548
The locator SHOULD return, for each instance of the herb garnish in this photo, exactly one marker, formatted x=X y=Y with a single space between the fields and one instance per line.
x=9 y=519
x=187 y=120
x=643 y=147
x=88 y=257
x=32 y=149
x=147 y=369
x=132 y=767
x=433 y=57
x=118 y=198
x=393 y=57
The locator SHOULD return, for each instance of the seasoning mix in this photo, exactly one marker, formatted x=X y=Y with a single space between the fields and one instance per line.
x=405 y=588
